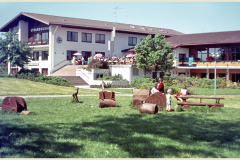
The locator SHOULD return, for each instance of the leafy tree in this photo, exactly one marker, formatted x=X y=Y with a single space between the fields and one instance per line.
x=18 y=52
x=154 y=54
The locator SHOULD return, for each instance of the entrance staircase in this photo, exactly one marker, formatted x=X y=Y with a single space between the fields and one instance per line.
x=69 y=73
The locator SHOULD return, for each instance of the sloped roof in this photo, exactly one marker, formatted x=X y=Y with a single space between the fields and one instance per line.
x=228 y=37
x=86 y=23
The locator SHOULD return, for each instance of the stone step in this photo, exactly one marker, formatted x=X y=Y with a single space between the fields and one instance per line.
x=75 y=80
x=68 y=70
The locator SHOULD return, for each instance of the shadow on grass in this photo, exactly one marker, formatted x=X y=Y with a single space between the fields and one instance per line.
x=29 y=141
x=129 y=133
x=139 y=135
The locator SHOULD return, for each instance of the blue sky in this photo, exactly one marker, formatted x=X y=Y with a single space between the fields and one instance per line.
x=185 y=17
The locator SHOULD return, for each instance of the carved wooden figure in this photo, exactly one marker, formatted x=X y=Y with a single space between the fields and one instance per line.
x=74 y=96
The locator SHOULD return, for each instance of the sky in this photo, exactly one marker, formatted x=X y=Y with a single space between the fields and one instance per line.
x=185 y=17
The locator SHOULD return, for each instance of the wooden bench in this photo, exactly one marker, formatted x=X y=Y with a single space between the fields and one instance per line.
x=200 y=103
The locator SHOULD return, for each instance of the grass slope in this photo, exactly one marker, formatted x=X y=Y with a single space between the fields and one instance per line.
x=13 y=86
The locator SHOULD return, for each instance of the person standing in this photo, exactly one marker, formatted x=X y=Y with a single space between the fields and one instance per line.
x=83 y=60
x=73 y=60
x=168 y=102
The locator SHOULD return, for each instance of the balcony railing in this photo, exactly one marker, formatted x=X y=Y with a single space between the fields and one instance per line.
x=208 y=63
x=38 y=43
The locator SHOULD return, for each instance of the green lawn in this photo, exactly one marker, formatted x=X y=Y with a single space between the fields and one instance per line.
x=62 y=129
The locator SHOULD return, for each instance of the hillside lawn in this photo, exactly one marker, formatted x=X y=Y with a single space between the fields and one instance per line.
x=60 y=128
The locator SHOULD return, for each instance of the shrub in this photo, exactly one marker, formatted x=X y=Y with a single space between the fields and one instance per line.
x=96 y=64
x=139 y=81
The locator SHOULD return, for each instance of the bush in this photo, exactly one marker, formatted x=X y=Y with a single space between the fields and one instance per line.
x=38 y=77
x=96 y=64
x=139 y=81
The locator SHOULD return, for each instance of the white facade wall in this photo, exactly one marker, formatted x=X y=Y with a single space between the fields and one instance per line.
x=121 y=43
x=23 y=31
x=61 y=49
x=181 y=51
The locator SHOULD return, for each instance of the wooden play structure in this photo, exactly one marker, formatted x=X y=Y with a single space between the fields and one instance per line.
x=148 y=103
x=106 y=99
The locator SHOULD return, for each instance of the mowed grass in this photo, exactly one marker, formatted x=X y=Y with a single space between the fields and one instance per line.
x=62 y=129
x=13 y=86
x=59 y=128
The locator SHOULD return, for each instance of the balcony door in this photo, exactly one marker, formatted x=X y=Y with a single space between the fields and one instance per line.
x=182 y=57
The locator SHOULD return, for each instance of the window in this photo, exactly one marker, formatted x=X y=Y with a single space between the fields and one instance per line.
x=36 y=37
x=87 y=37
x=72 y=36
x=15 y=37
x=182 y=57
x=132 y=41
x=44 y=55
x=100 y=38
x=221 y=51
x=202 y=54
x=45 y=71
x=222 y=75
x=135 y=72
x=86 y=54
x=234 y=54
x=236 y=77
x=70 y=54
x=35 y=56
x=45 y=38
x=211 y=76
x=203 y=75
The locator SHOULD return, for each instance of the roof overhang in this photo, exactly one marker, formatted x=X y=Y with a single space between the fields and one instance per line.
x=20 y=16
x=174 y=46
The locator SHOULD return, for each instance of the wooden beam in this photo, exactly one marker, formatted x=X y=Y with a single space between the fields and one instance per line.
x=200 y=104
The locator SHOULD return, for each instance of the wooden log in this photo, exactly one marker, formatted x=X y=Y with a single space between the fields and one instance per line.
x=21 y=102
x=140 y=95
x=11 y=104
x=148 y=108
x=157 y=98
x=106 y=103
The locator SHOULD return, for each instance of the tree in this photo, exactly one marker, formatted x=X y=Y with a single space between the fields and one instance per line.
x=15 y=51
x=154 y=54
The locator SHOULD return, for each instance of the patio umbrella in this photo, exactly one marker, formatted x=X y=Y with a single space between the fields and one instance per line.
x=98 y=55
x=77 y=54
x=130 y=55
